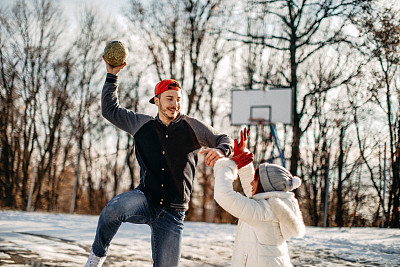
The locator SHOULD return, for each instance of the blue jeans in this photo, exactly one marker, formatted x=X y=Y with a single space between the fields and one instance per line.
x=166 y=226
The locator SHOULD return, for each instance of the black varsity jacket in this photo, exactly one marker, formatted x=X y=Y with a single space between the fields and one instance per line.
x=167 y=155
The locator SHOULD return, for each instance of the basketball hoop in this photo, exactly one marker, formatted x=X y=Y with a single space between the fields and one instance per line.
x=272 y=106
x=263 y=108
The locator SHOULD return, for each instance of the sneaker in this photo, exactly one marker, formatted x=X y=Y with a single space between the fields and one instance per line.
x=94 y=261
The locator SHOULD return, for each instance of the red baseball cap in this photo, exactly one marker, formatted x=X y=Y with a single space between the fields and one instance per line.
x=165 y=85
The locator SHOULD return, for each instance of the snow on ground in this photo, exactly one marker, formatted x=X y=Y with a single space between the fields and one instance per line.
x=47 y=239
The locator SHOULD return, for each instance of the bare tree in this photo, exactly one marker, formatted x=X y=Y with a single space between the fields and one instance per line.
x=380 y=29
x=87 y=51
x=9 y=113
x=33 y=31
x=183 y=38
x=300 y=29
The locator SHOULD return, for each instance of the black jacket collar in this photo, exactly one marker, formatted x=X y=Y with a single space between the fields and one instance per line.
x=175 y=121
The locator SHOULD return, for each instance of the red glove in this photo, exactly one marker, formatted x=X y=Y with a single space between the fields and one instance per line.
x=243 y=159
x=239 y=148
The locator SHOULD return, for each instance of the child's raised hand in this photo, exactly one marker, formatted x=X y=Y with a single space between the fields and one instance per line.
x=239 y=148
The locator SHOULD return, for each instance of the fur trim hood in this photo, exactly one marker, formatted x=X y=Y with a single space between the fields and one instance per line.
x=287 y=212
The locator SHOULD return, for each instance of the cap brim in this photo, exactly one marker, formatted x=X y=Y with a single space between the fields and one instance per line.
x=151 y=100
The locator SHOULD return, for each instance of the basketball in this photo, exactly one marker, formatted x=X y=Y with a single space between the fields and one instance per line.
x=115 y=53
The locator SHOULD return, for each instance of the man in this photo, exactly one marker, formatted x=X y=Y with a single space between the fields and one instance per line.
x=167 y=148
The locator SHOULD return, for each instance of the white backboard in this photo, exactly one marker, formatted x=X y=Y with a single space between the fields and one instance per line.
x=272 y=106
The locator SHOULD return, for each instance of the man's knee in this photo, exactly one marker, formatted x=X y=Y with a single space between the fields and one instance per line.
x=124 y=205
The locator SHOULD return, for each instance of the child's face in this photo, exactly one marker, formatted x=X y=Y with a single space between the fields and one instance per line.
x=254 y=185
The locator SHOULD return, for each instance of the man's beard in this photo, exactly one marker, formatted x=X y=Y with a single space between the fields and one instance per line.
x=165 y=111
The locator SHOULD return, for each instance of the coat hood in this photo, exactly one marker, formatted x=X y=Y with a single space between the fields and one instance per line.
x=286 y=209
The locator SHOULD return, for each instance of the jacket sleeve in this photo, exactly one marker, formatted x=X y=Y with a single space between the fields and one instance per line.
x=124 y=119
x=210 y=137
x=246 y=175
x=248 y=210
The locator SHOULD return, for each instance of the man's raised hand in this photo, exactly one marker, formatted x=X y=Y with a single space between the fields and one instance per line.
x=114 y=70
x=213 y=154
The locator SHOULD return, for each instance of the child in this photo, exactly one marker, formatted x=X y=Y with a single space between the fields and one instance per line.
x=268 y=216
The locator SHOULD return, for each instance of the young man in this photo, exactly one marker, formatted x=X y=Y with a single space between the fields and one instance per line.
x=167 y=148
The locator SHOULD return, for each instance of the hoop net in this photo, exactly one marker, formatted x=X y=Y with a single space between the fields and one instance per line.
x=259 y=121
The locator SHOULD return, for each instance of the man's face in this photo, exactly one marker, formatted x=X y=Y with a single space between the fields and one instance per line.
x=169 y=105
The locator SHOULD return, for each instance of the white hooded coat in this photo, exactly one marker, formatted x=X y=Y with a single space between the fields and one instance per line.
x=266 y=220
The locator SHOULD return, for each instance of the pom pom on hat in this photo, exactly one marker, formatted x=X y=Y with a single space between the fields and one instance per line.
x=296 y=182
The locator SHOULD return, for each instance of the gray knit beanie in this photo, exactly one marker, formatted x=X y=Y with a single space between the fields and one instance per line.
x=276 y=178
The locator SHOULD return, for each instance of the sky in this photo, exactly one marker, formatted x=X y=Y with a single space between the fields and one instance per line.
x=71 y=7
x=70 y=4
x=33 y=238
x=107 y=7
